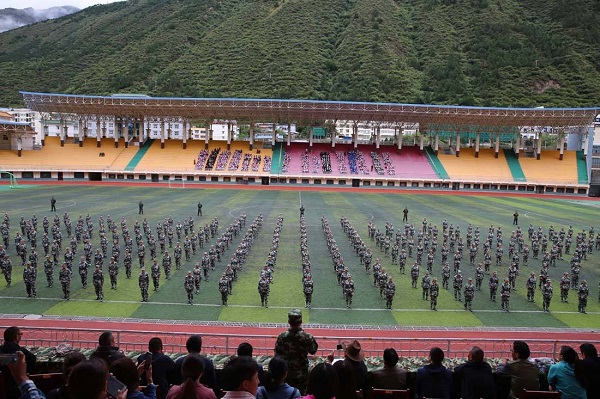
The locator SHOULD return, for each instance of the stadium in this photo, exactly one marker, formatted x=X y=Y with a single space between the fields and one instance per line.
x=460 y=169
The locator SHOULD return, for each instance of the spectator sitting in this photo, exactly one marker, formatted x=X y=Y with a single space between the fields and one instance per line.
x=275 y=386
x=476 y=377
x=567 y=376
x=391 y=376
x=107 y=350
x=240 y=378
x=88 y=380
x=125 y=370
x=209 y=376
x=70 y=360
x=246 y=349
x=12 y=338
x=322 y=382
x=162 y=366
x=434 y=380
x=591 y=367
x=191 y=369
x=26 y=387
x=524 y=374
x=354 y=360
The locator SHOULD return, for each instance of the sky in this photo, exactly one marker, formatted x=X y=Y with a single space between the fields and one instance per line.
x=44 y=4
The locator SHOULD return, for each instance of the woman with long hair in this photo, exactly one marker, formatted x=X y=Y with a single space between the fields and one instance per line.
x=191 y=370
x=567 y=376
x=275 y=386
x=322 y=382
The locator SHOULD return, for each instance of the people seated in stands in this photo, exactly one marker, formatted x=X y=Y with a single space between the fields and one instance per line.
x=567 y=376
x=128 y=373
x=240 y=378
x=391 y=376
x=18 y=374
x=285 y=167
x=70 y=360
x=163 y=366
x=246 y=349
x=192 y=368
x=107 y=349
x=267 y=164
x=234 y=162
x=88 y=380
x=475 y=377
x=212 y=158
x=354 y=362
x=322 y=383
x=434 y=380
x=591 y=367
x=202 y=156
x=524 y=374
x=209 y=376
x=12 y=338
x=275 y=386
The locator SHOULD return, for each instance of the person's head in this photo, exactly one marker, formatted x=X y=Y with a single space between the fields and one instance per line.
x=106 y=339
x=240 y=373
x=568 y=354
x=192 y=367
x=278 y=369
x=71 y=360
x=520 y=350
x=390 y=357
x=88 y=380
x=436 y=355
x=588 y=351
x=295 y=318
x=12 y=334
x=476 y=354
x=322 y=382
x=125 y=370
x=155 y=345
x=245 y=349
x=194 y=344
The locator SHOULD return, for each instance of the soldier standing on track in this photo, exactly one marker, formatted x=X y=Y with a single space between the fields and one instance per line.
x=188 y=285
x=98 y=280
x=390 y=291
x=505 y=295
x=144 y=283
x=155 y=273
x=65 y=281
x=434 y=292
x=531 y=284
x=295 y=345
x=308 y=287
x=516 y=218
x=582 y=294
x=29 y=278
x=493 y=283
x=547 y=293
x=224 y=288
x=263 y=289
x=469 y=295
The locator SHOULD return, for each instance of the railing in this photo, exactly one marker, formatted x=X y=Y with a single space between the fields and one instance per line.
x=226 y=344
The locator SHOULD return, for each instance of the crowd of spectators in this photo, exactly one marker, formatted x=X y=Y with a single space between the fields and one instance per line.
x=212 y=158
x=223 y=160
x=202 y=156
x=341 y=160
x=155 y=375
x=285 y=166
x=325 y=161
x=267 y=163
x=305 y=162
x=256 y=160
x=234 y=162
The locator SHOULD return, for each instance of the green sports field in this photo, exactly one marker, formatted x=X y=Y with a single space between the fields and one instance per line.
x=286 y=292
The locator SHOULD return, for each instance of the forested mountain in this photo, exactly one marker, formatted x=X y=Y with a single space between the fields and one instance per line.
x=469 y=52
x=11 y=18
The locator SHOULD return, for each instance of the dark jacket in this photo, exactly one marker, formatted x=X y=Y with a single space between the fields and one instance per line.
x=591 y=367
x=107 y=353
x=389 y=378
x=12 y=389
x=434 y=381
x=163 y=368
x=476 y=380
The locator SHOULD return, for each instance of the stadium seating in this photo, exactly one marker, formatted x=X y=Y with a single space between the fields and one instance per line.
x=549 y=169
x=390 y=393
x=484 y=168
x=540 y=395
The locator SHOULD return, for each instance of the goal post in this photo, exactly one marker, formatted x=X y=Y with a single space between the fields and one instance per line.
x=12 y=183
x=176 y=182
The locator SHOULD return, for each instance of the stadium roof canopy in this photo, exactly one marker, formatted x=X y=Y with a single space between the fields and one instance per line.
x=8 y=126
x=306 y=111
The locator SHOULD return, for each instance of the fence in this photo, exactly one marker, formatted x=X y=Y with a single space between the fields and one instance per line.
x=226 y=344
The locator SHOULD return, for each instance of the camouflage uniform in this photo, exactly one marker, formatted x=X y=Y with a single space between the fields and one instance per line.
x=547 y=293
x=65 y=281
x=390 y=291
x=29 y=277
x=188 y=285
x=263 y=290
x=144 y=283
x=224 y=289
x=308 y=287
x=582 y=294
x=155 y=273
x=295 y=345
x=434 y=292
x=531 y=284
x=98 y=280
x=469 y=295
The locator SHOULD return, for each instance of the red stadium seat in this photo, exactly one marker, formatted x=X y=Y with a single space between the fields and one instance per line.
x=539 y=395
x=390 y=394
x=48 y=382
x=2 y=387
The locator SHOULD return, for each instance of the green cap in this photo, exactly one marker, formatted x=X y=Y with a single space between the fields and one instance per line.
x=295 y=316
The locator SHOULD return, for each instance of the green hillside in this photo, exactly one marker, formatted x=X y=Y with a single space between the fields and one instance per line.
x=470 y=52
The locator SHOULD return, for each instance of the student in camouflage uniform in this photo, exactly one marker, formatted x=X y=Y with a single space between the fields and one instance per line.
x=98 y=280
x=155 y=273
x=469 y=295
x=224 y=288
x=390 y=291
x=565 y=285
x=29 y=278
x=166 y=262
x=113 y=272
x=547 y=293
x=414 y=274
x=348 y=291
x=531 y=284
x=144 y=283
x=434 y=292
x=188 y=285
x=308 y=287
x=263 y=290
x=49 y=270
x=493 y=284
x=65 y=281
x=425 y=284
x=582 y=294
x=505 y=295
x=457 y=284
x=295 y=345
x=197 y=273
